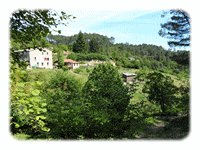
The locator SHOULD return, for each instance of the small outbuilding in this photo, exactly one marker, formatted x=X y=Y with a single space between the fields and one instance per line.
x=70 y=63
x=128 y=76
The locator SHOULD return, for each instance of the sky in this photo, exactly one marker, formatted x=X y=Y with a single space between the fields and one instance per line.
x=132 y=26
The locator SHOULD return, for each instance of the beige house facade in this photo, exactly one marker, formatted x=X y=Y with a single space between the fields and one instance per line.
x=37 y=58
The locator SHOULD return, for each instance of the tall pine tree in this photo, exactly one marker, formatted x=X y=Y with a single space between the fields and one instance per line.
x=94 y=45
x=177 y=29
x=80 y=45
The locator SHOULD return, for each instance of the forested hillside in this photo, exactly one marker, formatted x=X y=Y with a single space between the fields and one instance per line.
x=106 y=46
x=95 y=101
x=145 y=55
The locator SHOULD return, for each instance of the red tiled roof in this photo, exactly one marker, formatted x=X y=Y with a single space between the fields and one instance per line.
x=69 y=60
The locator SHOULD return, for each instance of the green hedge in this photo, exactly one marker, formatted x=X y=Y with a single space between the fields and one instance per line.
x=90 y=56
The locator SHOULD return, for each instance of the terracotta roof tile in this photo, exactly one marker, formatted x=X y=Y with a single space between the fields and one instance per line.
x=69 y=60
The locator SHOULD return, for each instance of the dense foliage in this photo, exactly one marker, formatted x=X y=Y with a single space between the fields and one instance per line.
x=156 y=56
x=160 y=89
x=80 y=45
x=28 y=25
x=60 y=58
x=64 y=106
x=108 y=98
x=67 y=40
x=94 y=45
x=90 y=56
x=27 y=106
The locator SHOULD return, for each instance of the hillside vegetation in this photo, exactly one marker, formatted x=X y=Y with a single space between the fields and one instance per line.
x=93 y=102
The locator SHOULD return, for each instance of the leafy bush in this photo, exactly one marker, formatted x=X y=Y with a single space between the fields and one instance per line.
x=81 y=56
x=135 y=64
x=72 y=56
x=65 y=68
x=87 y=70
x=107 y=99
x=82 y=62
x=64 y=104
x=90 y=56
x=160 y=89
x=77 y=70
x=27 y=107
x=119 y=64
x=96 y=56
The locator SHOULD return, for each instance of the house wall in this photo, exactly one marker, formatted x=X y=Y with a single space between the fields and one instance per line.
x=72 y=65
x=40 y=58
x=75 y=65
x=68 y=64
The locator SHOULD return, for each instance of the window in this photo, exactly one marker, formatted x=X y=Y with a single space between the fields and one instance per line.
x=42 y=64
x=47 y=58
x=37 y=63
x=35 y=58
x=47 y=63
x=47 y=53
x=42 y=53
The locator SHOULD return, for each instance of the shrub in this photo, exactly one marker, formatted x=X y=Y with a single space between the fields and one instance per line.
x=90 y=56
x=72 y=56
x=160 y=89
x=87 y=70
x=27 y=107
x=119 y=64
x=81 y=57
x=77 y=70
x=82 y=62
x=135 y=64
x=64 y=104
x=107 y=99
x=65 y=68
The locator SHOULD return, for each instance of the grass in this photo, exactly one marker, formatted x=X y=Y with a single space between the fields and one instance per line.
x=21 y=136
x=83 y=74
x=129 y=70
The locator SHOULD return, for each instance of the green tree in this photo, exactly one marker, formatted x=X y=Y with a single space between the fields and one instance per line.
x=107 y=99
x=80 y=45
x=60 y=58
x=27 y=106
x=31 y=25
x=64 y=104
x=112 y=40
x=94 y=46
x=160 y=89
x=177 y=29
x=27 y=26
x=70 y=47
x=44 y=43
x=63 y=46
